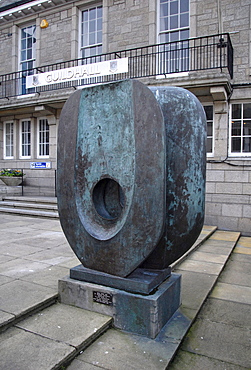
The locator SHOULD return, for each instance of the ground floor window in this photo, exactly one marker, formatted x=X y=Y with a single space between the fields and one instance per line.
x=210 y=129
x=8 y=140
x=240 y=129
x=43 y=138
x=25 y=138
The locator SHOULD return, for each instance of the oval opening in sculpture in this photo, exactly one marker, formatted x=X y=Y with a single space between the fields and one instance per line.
x=108 y=199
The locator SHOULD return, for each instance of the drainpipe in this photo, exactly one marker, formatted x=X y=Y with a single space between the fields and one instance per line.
x=220 y=25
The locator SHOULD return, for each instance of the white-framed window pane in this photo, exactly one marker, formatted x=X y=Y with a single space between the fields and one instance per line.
x=26 y=138
x=184 y=6
x=8 y=139
x=27 y=55
x=174 y=27
x=91 y=32
x=43 y=138
x=210 y=128
x=240 y=129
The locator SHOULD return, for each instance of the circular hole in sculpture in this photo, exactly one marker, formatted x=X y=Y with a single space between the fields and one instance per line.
x=108 y=198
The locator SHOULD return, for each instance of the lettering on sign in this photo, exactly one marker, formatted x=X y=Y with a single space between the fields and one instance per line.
x=84 y=71
x=103 y=298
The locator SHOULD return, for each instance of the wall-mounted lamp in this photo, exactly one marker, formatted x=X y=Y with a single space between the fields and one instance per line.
x=44 y=23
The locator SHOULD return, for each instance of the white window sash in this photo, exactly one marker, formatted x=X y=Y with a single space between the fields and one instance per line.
x=25 y=139
x=42 y=143
x=10 y=144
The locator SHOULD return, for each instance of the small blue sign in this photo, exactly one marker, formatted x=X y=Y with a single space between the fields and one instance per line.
x=40 y=165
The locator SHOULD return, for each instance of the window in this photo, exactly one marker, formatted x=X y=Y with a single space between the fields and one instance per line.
x=8 y=140
x=43 y=138
x=27 y=55
x=210 y=129
x=91 y=32
x=26 y=138
x=240 y=129
x=174 y=28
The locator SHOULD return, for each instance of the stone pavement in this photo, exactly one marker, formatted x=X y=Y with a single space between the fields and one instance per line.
x=38 y=333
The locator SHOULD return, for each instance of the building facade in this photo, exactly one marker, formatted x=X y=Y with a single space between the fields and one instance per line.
x=203 y=46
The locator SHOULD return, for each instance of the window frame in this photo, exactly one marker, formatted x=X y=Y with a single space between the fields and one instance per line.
x=175 y=58
x=212 y=137
x=5 y=141
x=45 y=144
x=89 y=45
x=31 y=60
x=21 y=138
x=240 y=154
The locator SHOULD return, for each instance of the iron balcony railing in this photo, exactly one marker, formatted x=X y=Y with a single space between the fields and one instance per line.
x=213 y=52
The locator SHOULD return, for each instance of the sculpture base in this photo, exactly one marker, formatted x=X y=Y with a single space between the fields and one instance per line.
x=141 y=280
x=136 y=313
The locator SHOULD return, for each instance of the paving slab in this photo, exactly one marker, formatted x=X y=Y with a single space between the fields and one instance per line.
x=215 y=249
x=71 y=325
x=226 y=312
x=237 y=274
x=19 y=297
x=208 y=257
x=225 y=235
x=72 y=262
x=5 y=258
x=117 y=350
x=231 y=292
x=17 y=268
x=80 y=365
x=244 y=241
x=21 y=249
x=5 y=279
x=187 y=361
x=219 y=341
x=226 y=244
x=47 y=277
x=201 y=267
x=243 y=250
x=193 y=296
x=246 y=258
x=50 y=256
x=24 y=350
x=5 y=319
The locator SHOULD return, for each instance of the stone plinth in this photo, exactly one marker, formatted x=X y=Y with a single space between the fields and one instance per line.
x=137 y=313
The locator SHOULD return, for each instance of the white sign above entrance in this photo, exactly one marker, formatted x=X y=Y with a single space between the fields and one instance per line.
x=109 y=67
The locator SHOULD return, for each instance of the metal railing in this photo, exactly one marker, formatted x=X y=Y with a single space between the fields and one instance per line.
x=213 y=52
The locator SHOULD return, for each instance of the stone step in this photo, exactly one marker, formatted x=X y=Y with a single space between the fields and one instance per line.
x=30 y=199
x=26 y=205
x=30 y=206
x=31 y=212
x=51 y=338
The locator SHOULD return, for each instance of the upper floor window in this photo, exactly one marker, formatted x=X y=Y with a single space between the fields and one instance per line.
x=25 y=138
x=43 y=138
x=240 y=129
x=8 y=140
x=91 y=32
x=27 y=54
x=174 y=28
x=210 y=129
